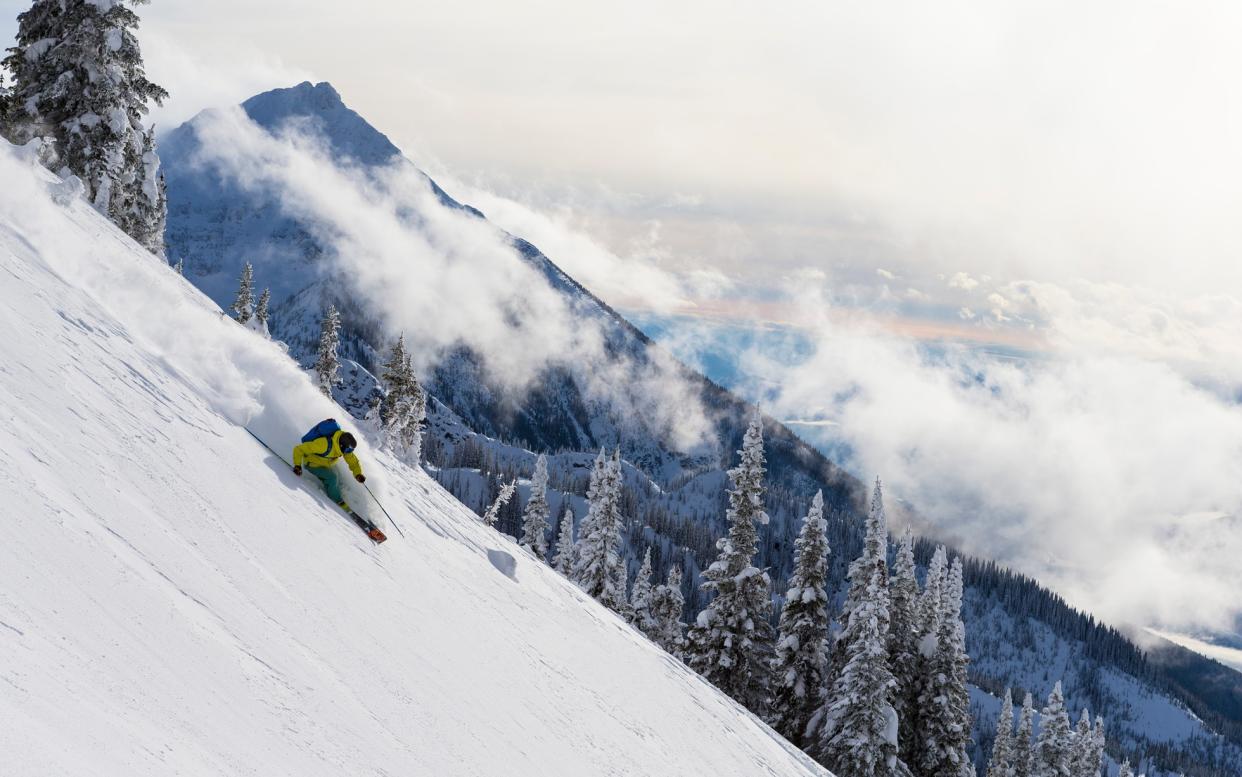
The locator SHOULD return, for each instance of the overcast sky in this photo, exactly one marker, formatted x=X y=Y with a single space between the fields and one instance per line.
x=1043 y=140
x=1056 y=177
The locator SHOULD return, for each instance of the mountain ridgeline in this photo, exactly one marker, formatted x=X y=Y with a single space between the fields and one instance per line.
x=481 y=435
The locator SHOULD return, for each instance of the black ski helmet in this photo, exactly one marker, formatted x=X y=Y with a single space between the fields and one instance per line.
x=348 y=443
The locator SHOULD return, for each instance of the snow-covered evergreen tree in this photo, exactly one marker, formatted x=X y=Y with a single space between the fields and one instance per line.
x=598 y=566
x=327 y=362
x=243 y=304
x=931 y=600
x=1024 y=742
x=565 y=544
x=594 y=495
x=179 y=267
x=1082 y=743
x=1001 y=764
x=1053 y=752
x=730 y=642
x=944 y=704
x=800 y=666
x=79 y=79
x=928 y=610
x=535 y=515
x=857 y=727
x=667 y=604
x=1098 y=742
x=621 y=584
x=1126 y=770
x=493 y=511
x=641 y=613
x=903 y=646
x=6 y=106
x=147 y=213
x=404 y=405
x=261 y=310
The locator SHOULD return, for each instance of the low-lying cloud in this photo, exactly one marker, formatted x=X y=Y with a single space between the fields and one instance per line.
x=444 y=277
x=1107 y=467
x=639 y=278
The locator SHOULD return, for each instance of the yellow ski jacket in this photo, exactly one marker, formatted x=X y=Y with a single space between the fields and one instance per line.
x=323 y=452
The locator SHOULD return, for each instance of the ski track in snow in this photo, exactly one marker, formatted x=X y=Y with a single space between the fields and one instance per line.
x=174 y=601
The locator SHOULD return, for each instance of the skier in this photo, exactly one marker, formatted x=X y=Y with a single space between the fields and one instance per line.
x=320 y=448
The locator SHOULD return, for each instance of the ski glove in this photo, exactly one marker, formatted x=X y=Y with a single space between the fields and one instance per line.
x=297 y=471
x=360 y=478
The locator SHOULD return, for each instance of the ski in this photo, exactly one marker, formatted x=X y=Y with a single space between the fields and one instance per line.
x=369 y=528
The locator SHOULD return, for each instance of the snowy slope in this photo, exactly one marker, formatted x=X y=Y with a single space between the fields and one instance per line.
x=174 y=601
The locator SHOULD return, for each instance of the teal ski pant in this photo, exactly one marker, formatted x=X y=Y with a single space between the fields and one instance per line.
x=327 y=476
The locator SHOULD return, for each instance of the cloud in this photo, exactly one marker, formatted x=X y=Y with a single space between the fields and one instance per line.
x=447 y=278
x=637 y=280
x=198 y=80
x=1099 y=468
x=1198 y=335
x=963 y=281
x=1106 y=156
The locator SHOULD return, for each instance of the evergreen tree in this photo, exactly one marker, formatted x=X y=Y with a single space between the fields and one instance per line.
x=565 y=544
x=857 y=726
x=641 y=612
x=394 y=377
x=1001 y=764
x=594 y=496
x=1098 y=742
x=944 y=704
x=667 y=604
x=730 y=642
x=1023 y=744
x=800 y=666
x=930 y=601
x=599 y=569
x=6 y=106
x=620 y=583
x=903 y=639
x=535 y=516
x=928 y=610
x=147 y=214
x=243 y=305
x=1054 y=746
x=1081 y=745
x=327 y=362
x=261 y=312
x=79 y=79
x=1126 y=770
x=179 y=267
x=493 y=512
x=404 y=405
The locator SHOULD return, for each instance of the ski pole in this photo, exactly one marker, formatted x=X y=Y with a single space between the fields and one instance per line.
x=265 y=445
x=389 y=517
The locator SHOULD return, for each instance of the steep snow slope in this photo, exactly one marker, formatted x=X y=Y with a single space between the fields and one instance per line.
x=174 y=601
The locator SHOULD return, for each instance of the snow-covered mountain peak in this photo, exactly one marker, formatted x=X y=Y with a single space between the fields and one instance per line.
x=348 y=133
